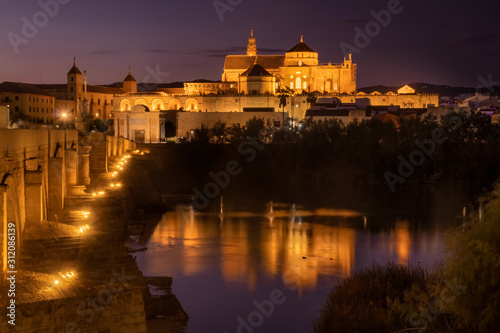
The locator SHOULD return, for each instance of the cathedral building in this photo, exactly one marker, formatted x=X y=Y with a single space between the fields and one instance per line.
x=298 y=71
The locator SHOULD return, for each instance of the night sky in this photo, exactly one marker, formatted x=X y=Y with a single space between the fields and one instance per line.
x=435 y=41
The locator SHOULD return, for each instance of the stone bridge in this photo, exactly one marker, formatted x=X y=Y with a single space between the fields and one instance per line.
x=39 y=168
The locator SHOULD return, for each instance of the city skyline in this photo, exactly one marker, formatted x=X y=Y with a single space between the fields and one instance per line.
x=417 y=42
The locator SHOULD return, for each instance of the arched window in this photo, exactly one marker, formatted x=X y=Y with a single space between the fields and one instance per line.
x=298 y=83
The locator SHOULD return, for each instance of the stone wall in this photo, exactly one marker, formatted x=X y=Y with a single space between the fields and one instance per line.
x=37 y=169
x=188 y=121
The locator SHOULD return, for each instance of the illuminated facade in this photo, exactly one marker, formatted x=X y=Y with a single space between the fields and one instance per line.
x=28 y=100
x=299 y=70
x=70 y=96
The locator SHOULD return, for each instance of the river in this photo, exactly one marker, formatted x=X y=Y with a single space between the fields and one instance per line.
x=254 y=265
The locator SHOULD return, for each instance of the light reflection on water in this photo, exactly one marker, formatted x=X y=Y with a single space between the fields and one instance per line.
x=249 y=253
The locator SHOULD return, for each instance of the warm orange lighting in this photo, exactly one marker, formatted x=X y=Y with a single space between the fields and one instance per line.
x=83 y=228
x=67 y=276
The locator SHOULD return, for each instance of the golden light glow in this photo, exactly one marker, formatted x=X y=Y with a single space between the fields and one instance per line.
x=83 y=228
x=67 y=277
x=329 y=250
x=403 y=240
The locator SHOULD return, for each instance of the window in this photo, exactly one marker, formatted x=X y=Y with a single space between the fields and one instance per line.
x=92 y=101
x=298 y=82
x=72 y=78
x=98 y=101
x=300 y=62
x=291 y=85
x=71 y=89
x=17 y=108
x=111 y=102
x=43 y=110
x=305 y=85
x=17 y=98
x=30 y=108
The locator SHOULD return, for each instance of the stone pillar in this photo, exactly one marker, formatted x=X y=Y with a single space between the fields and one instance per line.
x=99 y=155
x=127 y=127
x=120 y=147
x=3 y=226
x=147 y=138
x=84 y=164
x=33 y=196
x=56 y=184
x=110 y=146
x=117 y=126
x=71 y=167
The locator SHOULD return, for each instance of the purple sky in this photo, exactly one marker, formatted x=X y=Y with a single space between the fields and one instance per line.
x=442 y=42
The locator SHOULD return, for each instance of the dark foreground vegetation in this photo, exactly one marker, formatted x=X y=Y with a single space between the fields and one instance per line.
x=459 y=147
x=461 y=295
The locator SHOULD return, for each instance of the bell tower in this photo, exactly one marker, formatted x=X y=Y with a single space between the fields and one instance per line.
x=129 y=83
x=74 y=87
x=252 y=46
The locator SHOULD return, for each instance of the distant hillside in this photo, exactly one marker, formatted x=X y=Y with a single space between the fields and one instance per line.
x=428 y=88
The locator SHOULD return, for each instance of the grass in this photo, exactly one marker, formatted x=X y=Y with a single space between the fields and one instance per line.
x=364 y=301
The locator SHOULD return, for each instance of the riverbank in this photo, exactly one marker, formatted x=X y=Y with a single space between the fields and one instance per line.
x=459 y=295
x=75 y=273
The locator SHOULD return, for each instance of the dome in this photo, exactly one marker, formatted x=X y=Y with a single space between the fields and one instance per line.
x=301 y=47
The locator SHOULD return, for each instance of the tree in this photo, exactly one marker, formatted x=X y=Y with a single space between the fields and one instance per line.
x=283 y=98
x=312 y=100
x=201 y=136
x=254 y=126
x=218 y=132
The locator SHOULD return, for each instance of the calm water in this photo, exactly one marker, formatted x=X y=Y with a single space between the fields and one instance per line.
x=231 y=261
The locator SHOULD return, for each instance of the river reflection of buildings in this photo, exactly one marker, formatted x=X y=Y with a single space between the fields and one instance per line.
x=246 y=245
